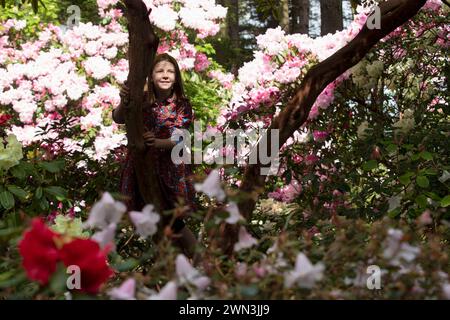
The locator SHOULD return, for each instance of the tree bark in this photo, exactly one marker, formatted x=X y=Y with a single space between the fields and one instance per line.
x=233 y=22
x=331 y=16
x=300 y=16
x=393 y=14
x=143 y=44
x=284 y=16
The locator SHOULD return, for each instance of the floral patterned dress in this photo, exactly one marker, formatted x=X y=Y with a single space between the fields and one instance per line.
x=162 y=119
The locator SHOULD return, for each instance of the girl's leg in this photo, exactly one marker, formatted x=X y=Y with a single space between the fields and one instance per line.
x=188 y=243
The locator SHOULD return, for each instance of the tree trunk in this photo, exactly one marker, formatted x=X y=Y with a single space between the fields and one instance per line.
x=233 y=22
x=393 y=14
x=284 y=15
x=331 y=16
x=300 y=16
x=143 y=44
x=230 y=31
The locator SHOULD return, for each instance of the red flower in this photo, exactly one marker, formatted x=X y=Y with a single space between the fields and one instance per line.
x=39 y=251
x=4 y=118
x=86 y=254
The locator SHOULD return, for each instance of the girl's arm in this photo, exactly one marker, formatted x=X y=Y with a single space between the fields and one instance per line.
x=118 y=114
x=151 y=141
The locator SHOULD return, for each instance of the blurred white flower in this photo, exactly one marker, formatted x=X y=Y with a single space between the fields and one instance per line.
x=105 y=212
x=305 y=273
x=168 y=292
x=406 y=122
x=394 y=202
x=188 y=274
x=361 y=132
x=145 y=221
x=446 y=291
x=125 y=291
x=245 y=240
x=211 y=186
x=396 y=251
x=106 y=236
x=445 y=176
x=233 y=210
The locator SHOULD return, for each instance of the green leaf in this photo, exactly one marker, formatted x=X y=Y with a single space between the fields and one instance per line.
x=127 y=265
x=408 y=146
x=57 y=192
x=391 y=148
x=38 y=193
x=13 y=282
x=288 y=176
x=43 y=204
x=17 y=191
x=433 y=196
x=445 y=202
x=406 y=178
x=370 y=165
x=394 y=213
x=422 y=201
x=423 y=182
x=18 y=172
x=425 y=155
x=7 y=199
x=429 y=172
x=54 y=166
x=415 y=156
x=9 y=233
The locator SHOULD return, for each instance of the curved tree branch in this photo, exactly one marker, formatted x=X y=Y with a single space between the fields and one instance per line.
x=393 y=14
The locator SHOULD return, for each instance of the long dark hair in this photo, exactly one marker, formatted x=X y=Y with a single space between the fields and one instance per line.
x=178 y=85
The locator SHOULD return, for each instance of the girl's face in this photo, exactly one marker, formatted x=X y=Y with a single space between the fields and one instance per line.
x=163 y=76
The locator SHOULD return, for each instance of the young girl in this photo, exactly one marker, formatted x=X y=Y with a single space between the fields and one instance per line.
x=166 y=108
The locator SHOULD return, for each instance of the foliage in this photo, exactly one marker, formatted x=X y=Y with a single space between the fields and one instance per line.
x=364 y=183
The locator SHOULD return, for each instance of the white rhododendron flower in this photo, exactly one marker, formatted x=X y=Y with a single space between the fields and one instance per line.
x=106 y=237
x=305 y=274
x=145 y=221
x=233 y=210
x=361 y=132
x=164 y=17
x=397 y=251
x=168 y=292
x=97 y=67
x=105 y=212
x=188 y=274
x=211 y=186
x=125 y=292
x=245 y=240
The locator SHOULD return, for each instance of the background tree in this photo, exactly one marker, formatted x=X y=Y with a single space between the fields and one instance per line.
x=331 y=16
x=300 y=16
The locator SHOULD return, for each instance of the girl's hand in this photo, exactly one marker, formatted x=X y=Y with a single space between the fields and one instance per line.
x=125 y=93
x=149 y=139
